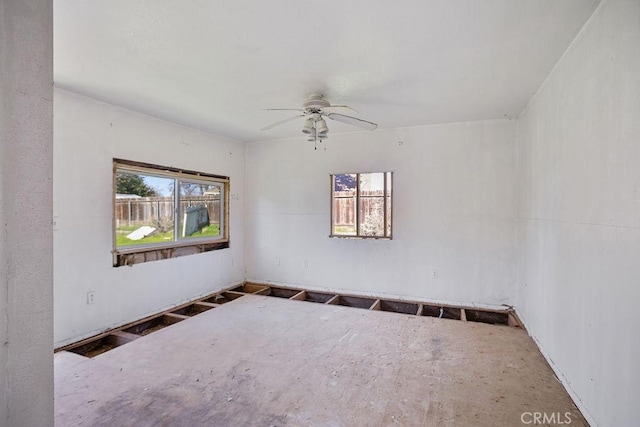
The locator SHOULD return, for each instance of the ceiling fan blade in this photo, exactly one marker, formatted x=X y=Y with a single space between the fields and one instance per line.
x=353 y=121
x=338 y=108
x=281 y=122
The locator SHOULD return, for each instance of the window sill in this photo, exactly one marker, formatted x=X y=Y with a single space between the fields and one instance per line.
x=337 y=236
x=138 y=255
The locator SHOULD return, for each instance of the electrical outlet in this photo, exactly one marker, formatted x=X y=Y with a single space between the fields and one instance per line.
x=277 y=261
x=91 y=297
x=306 y=263
x=435 y=273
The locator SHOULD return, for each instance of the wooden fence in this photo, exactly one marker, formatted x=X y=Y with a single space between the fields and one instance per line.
x=160 y=210
x=344 y=206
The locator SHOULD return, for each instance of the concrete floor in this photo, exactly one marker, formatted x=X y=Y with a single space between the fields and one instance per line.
x=264 y=361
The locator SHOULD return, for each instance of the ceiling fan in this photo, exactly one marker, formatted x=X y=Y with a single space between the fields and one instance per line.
x=314 y=109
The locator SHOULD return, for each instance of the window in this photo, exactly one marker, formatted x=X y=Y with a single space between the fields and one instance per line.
x=361 y=205
x=163 y=212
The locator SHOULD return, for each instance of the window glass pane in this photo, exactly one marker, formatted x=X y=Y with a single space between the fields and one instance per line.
x=144 y=209
x=344 y=204
x=371 y=209
x=200 y=210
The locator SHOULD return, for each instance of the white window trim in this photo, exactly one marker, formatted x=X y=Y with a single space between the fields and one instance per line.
x=357 y=219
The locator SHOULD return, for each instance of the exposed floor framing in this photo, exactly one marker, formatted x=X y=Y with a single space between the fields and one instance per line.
x=263 y=361
x=116 y=337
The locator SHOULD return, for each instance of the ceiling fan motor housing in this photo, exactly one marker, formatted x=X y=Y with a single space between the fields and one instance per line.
x=315 y=103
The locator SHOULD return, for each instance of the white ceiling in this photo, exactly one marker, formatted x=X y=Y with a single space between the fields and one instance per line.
x=215 y=65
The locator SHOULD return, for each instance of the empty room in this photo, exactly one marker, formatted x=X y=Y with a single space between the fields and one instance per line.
x=319 y=213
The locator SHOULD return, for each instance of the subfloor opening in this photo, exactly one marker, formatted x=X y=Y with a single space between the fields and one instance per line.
x=441 y=312
x=490 y=317
x=154 y=324
x=399 y=307
x=283 y=292
x=109 y=340
x=101 y=345
x=356 y=302
x=318 y=297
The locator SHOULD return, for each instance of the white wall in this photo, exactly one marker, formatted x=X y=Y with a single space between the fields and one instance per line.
x=454 y=206
x=26 y=259
x=579 y=153
x=88 y=135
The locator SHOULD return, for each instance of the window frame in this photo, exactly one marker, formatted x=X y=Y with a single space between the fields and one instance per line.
x=178 y=246
x=387 y=221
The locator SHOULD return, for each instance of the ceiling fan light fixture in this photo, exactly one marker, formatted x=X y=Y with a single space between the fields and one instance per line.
x=322 y=128
x=308 y=127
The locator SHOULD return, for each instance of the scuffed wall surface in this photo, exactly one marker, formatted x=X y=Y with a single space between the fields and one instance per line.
x=26 y=260
x=88 y=135
x=454 y=209
x=579 y=229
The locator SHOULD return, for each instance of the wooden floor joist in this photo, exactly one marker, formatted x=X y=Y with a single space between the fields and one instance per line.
x=233 y=294
x=175 y=317
x=300 y=296
x=334 y=300
x=263 y=291
x=127 y=336
x=207 y=304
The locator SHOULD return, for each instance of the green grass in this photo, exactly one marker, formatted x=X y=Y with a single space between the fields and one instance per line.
x=157 y=237
x=209 y=230
x=344 y=229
